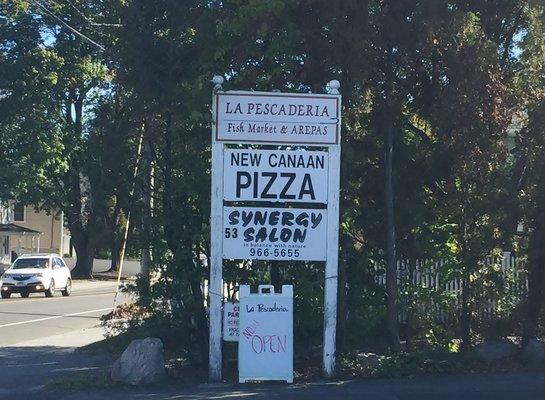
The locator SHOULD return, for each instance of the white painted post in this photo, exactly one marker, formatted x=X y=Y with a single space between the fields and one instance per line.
x=332 y=261
x=216 y=226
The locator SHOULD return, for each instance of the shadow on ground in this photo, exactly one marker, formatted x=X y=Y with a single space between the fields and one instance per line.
x=25 y=370
x=509 y=386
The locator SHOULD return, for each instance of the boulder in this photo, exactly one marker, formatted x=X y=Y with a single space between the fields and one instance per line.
x=369 y=360
x=142 y=362
x=534 y=351
x=495 y=350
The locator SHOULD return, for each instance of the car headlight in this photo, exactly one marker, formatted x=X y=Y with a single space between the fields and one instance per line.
x=36 y=275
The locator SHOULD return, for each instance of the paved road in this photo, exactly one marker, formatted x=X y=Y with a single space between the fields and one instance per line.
x=509 y=386
x=39 y=317
x=38 y=336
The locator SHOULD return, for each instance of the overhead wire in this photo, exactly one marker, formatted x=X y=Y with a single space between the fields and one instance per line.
x=63 y=22
x=90 y=21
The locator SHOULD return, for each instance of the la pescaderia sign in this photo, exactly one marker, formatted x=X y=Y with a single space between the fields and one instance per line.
x=277 y=118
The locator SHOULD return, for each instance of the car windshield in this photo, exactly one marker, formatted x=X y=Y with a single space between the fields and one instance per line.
x=30 y=263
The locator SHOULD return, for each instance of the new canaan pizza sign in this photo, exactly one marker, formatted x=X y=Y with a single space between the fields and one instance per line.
x=275 y=175
x=275 y=192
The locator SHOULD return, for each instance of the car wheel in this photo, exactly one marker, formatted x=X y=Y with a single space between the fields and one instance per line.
x=51 y=291
x=6 y=295
x=25 y=294
x=68 y=289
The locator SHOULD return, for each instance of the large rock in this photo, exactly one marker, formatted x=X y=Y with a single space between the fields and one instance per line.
x=495 y=350
x=142 y=362
x=534 y=351
x=369 y=360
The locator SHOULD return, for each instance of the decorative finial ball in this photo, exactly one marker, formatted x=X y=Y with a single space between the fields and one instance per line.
x=218 y=80
x=334 y=84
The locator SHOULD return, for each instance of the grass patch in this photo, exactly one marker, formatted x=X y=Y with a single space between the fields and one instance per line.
x=425 y=362
x=81 y=381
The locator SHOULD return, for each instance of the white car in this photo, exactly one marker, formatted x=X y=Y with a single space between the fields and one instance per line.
x=32 y=273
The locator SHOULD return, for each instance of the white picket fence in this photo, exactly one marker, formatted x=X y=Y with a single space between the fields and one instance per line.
x=426 y=273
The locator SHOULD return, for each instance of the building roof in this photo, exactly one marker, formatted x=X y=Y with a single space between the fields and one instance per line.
x=16 y=230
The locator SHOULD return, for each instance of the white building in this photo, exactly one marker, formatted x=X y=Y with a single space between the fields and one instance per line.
x=24 y=229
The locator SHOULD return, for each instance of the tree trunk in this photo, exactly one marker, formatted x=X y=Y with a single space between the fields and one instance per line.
x=83 y=235
x=410 y=303
x=145 y=251
x=180 y=242
x=114 y=251
x=465 y=315
x=276 y=276
x=391 y=267
x=115 y=248
x=343 y=308
x=200 y=315
x=85 y=253
x=536 y=272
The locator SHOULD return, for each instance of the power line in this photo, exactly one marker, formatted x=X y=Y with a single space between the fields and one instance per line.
x=90 y=20
x=77 y=10
x=74 y=30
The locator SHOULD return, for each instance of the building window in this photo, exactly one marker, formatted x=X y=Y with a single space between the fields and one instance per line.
x=18 y=213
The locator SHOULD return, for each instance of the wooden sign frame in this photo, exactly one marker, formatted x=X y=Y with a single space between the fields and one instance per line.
x=216 y=226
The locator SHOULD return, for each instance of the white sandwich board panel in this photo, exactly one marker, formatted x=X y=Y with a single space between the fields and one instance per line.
x=265 y=347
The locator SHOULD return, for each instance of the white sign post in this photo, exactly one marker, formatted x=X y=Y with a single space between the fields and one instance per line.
x=292 y=191
x=215 y=285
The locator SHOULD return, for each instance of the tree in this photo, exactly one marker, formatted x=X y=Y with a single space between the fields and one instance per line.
x=529 y=176
x=471 y=118
x=29 y=140
x=59 y=113
x=165 y=64
x=533 y=146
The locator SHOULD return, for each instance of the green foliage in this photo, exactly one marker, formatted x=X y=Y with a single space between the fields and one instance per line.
x=424 y=361
x=81 y=381
x=54 y=80
x=445 y=77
